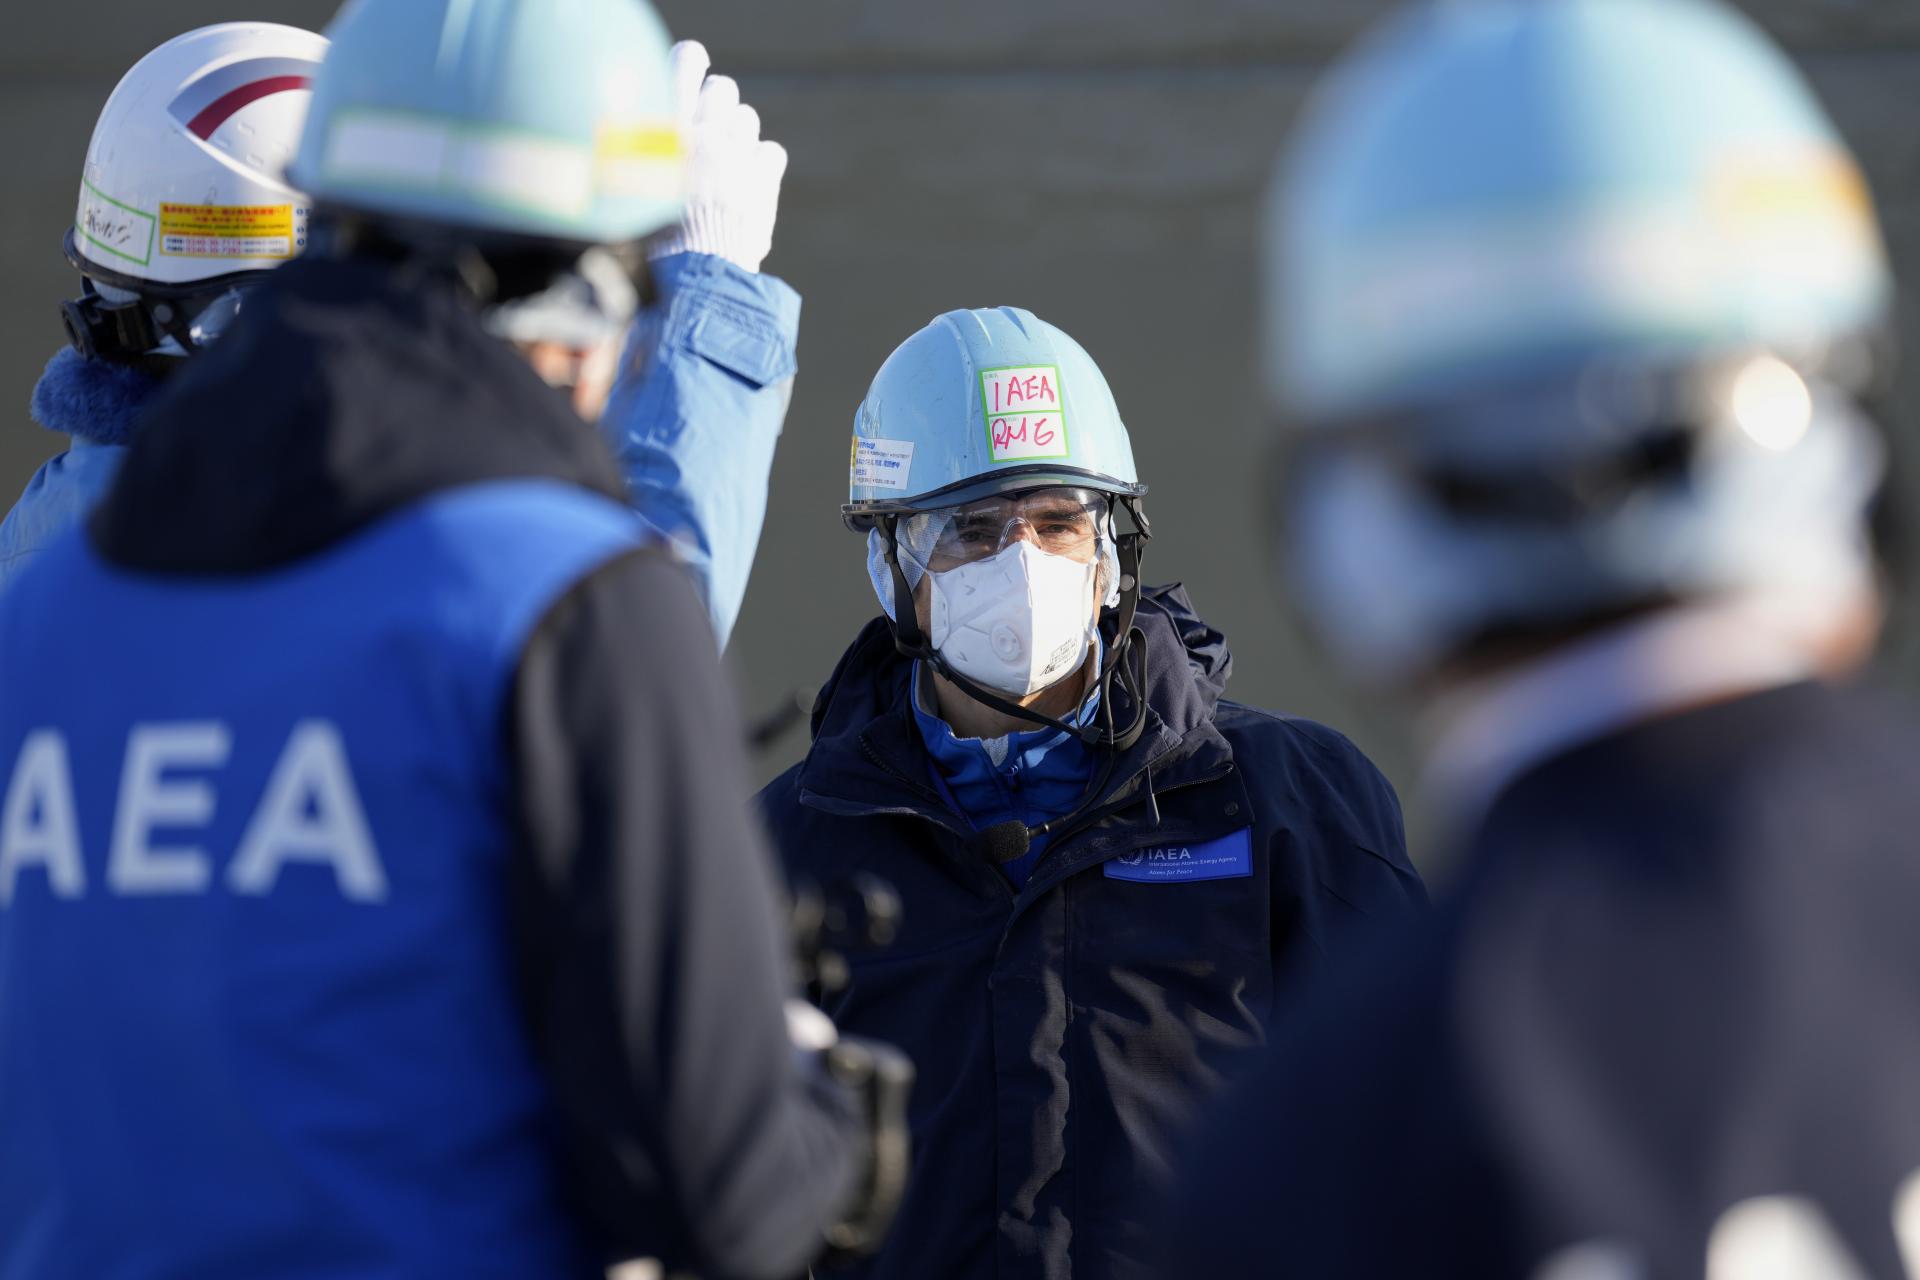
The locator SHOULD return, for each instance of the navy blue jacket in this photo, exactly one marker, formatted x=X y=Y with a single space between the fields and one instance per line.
x=1680 y=980
x=1063 y=1033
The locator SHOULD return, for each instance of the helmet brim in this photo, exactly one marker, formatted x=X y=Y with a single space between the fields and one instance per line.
x=100 y=273
x=860 y=515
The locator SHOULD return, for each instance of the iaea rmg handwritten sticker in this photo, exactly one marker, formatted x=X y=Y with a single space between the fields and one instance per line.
x=1025 y=416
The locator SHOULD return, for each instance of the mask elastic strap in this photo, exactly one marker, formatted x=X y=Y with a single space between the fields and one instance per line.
x=1130 y=644
x=907 y=636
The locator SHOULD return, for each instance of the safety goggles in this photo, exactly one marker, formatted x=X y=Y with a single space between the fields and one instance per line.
x=107 y=320
x=1060 y=521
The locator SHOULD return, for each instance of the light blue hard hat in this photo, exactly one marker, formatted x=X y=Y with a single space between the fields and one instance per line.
x=1571 y=298
x=550 y=119
x=981 y=402
x=1487 y=188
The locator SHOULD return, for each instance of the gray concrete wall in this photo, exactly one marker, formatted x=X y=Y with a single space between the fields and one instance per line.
x=1098 y=161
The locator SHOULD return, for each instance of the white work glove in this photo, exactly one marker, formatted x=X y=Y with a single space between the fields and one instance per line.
x=733 y=177
x=811 y=1032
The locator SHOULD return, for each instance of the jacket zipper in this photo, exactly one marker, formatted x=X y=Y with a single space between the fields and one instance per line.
x=867 y=750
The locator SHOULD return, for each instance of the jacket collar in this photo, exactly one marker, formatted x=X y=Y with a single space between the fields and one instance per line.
x=868 y=755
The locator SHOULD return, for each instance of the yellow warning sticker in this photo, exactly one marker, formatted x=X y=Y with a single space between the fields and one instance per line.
x=644 y=161
x=638 y=142
x=1793 y=187
x=227 y=230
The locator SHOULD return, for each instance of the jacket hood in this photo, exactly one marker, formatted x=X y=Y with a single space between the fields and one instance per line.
x=345 y=390
x=92 y=400
x=865 y=708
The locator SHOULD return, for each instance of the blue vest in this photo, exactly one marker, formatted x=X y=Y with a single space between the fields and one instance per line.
x=257 y=1002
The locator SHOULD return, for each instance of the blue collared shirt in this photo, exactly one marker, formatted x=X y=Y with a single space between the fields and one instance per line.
x=1032 y=775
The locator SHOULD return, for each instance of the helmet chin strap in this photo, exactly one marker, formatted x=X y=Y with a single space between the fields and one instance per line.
x=1127 y=656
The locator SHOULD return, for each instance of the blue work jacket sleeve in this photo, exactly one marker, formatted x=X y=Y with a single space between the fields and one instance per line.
x=58 y=497
x=694 y=418
x=93 y=403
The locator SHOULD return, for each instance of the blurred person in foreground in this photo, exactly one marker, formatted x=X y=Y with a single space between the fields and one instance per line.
x=1576 y=304
x=1110 y=872
x=184 y=204
x=382 y=901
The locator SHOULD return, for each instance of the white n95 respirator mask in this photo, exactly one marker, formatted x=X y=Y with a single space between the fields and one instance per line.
x=1017 y=621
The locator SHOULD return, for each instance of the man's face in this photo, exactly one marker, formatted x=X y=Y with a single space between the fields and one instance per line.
x=1060 y=521
x=587 y=375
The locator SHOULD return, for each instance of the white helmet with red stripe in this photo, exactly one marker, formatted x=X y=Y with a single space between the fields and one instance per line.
x=183 y=194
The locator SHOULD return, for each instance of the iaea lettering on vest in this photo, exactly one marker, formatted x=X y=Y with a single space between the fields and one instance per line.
x=310 y=811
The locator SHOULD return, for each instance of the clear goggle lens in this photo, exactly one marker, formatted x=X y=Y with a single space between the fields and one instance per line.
x=1059 y=521
x=217 y=316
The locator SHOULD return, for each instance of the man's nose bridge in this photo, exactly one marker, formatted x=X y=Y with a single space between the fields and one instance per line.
x=1016 y=528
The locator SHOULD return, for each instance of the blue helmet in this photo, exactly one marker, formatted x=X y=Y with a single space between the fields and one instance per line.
x=547 y=119
x=983 y=402
x=1569 y=300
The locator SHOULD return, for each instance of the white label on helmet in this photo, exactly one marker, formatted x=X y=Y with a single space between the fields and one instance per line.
x=1025 y=418
x=379 y=145
x=112 y=225
x=881 y=464
x=552 y=175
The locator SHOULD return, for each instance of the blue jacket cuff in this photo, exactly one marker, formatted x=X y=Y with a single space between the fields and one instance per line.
x=746 y=322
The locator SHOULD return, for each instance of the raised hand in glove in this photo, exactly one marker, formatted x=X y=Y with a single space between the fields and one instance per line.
x=733 y=176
